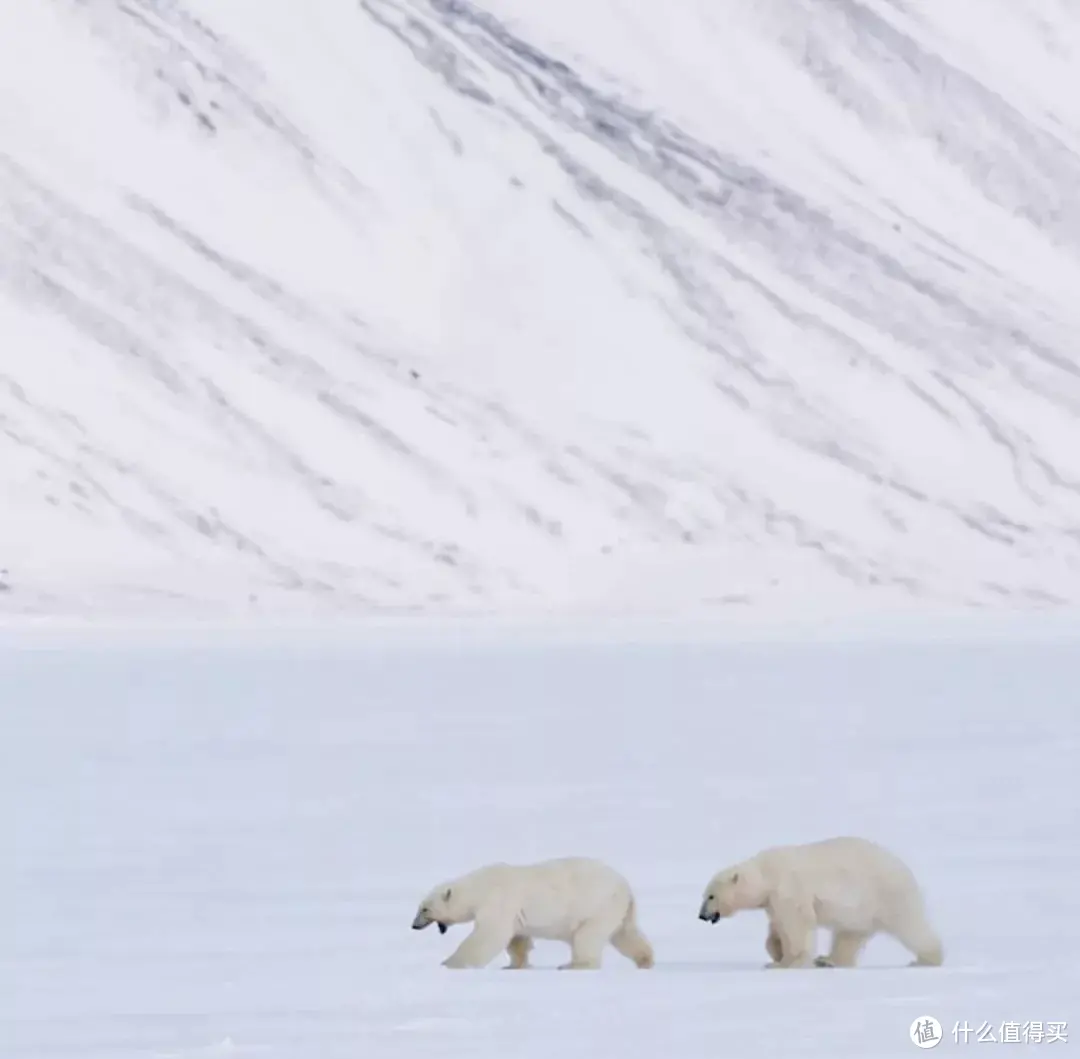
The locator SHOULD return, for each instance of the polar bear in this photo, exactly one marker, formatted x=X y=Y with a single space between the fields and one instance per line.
x=850 y=885
x=578 y=900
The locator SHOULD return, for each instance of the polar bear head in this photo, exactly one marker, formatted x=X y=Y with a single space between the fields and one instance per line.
x=732 y=890
x=442 y=906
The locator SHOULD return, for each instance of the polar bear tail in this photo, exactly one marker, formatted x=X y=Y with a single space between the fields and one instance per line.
x=629 y=940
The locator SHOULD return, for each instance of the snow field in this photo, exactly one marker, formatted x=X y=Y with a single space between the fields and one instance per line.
x=219 y=847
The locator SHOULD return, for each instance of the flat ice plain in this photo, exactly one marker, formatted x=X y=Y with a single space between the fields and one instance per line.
x=219 y=842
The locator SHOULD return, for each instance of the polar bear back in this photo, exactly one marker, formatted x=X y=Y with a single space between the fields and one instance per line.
x=853 y=883
x=552 y=897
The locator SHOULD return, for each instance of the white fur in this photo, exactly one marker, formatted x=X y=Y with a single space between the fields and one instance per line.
x=849 y=885
x=573 y=899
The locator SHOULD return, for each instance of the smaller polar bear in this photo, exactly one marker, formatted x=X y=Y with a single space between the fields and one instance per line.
x=850 y=885
x=573 y=899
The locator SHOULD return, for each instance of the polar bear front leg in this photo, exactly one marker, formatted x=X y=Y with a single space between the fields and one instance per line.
x=519 y=949
x=489 y=937
x=794 y=921
x=773 y=946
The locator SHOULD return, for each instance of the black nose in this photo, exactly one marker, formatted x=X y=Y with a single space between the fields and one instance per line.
x=704 y=916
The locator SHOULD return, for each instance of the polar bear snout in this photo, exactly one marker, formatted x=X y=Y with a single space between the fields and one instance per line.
x=709 y=911
x=424 y=919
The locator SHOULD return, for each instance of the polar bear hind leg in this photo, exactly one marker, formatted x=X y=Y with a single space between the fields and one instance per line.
x=588 y=941
x=846 y=947
x=519 y=949
x=920 y=939
x=631 y=943
x=587 y=947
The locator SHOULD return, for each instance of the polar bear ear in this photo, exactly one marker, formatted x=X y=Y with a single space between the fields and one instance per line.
x=446 y=894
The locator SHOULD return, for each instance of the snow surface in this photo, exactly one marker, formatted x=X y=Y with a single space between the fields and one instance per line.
x=219 y=847
x=431 y=304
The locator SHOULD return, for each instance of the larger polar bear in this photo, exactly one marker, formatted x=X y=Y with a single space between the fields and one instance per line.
x=850 y=885
x=573 y=899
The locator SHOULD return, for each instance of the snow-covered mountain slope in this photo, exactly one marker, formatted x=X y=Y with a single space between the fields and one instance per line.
x=431 y=303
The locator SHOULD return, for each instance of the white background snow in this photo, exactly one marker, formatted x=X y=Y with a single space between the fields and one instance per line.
x=758 y=310
x=431 y=303
x=219 y=847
